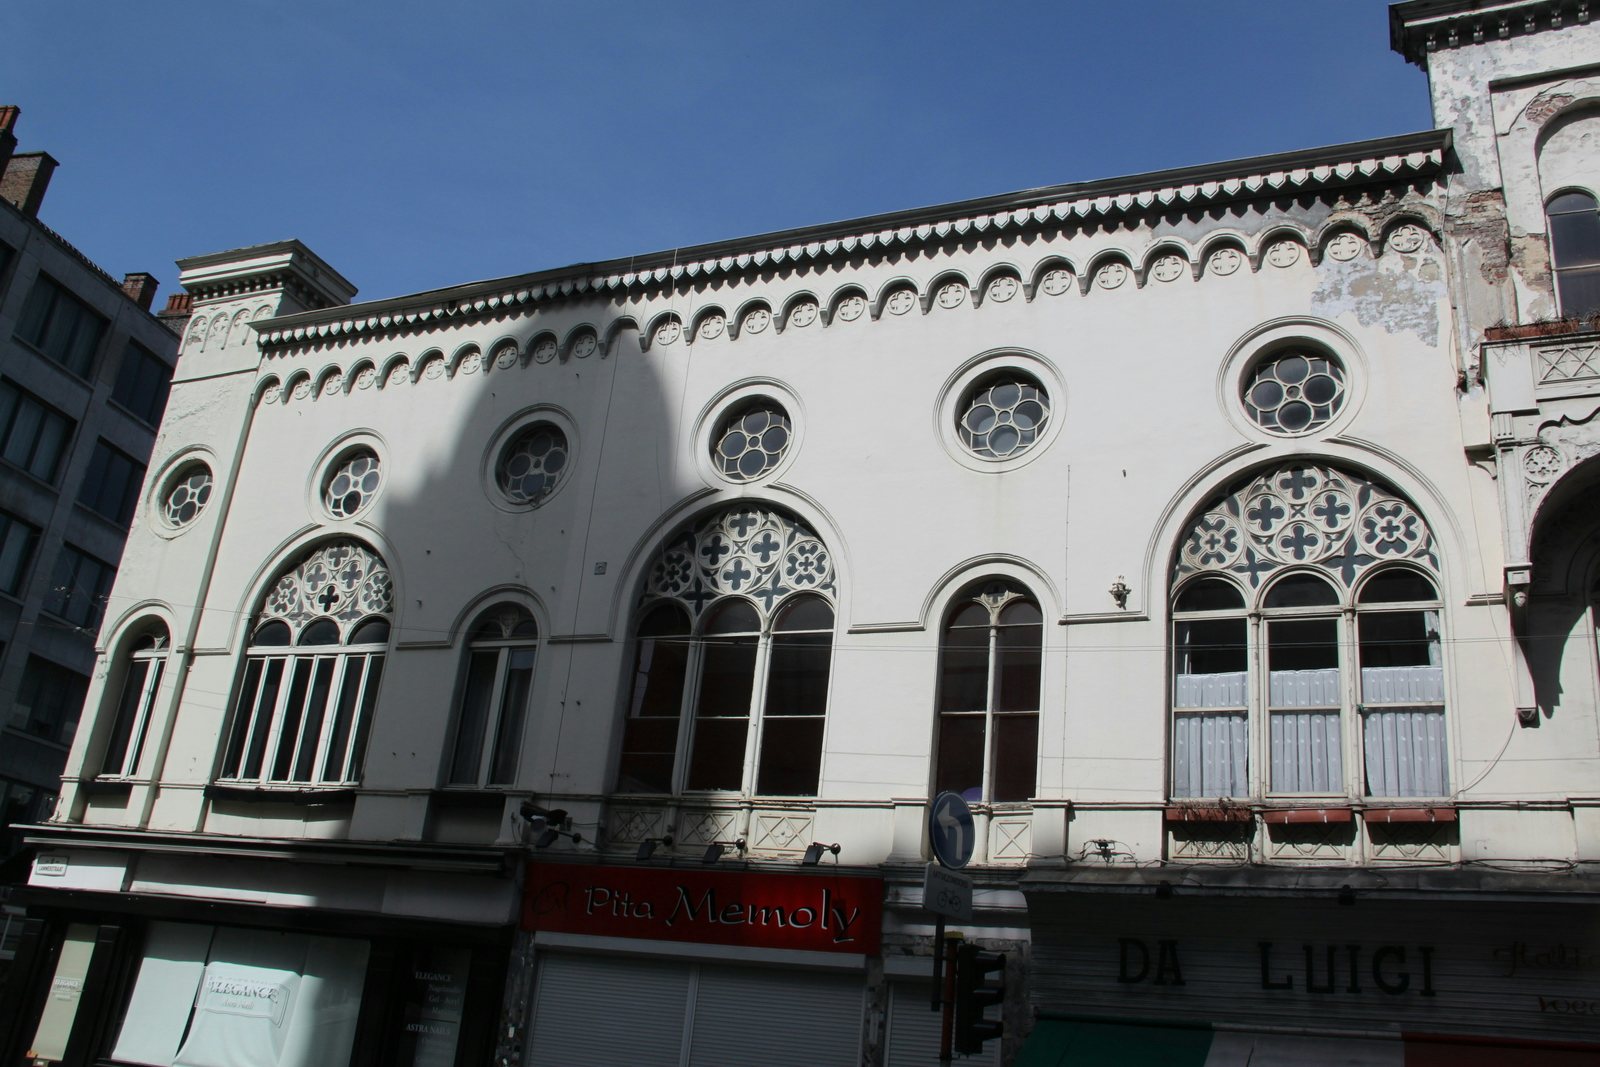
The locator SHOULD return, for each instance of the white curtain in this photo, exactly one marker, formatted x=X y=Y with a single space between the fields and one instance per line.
x=1405 y=752
x=1306 y=751
x=1209 y=755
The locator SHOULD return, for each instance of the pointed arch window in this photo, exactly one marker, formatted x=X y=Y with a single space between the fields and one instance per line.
x=732 y=654
x=311 y=674
x=1305 y=644
x=141 y=681
x=495 y=690
x=1574 y=220
x=990 y=659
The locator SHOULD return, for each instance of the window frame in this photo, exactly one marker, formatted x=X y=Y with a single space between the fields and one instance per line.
x=70 y=689
x=97 y=484
x=16 y=531
x=23 y=406
x=140 y=368
x=498 y=753
x=51 y=307
x=1565 y=275
x=142 y=668
x=995 y=597
x=694 y=717
x=1347 y=611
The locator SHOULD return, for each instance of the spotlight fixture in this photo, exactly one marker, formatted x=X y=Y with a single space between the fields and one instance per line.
x=814 y=853
x=715 y=850
x=544 y=828
x=647 y=847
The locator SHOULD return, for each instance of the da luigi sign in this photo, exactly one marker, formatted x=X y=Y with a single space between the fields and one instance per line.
x=756 y=909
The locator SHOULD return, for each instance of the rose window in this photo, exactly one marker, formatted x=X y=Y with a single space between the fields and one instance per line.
x=752 y=442
x=1004 y=418
x=532 y=465
x=1295 y=391
x=353 y=485
x=186 y=497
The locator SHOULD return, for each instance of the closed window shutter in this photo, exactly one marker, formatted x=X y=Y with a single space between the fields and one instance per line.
x=776 y=1018
x=607 y=1012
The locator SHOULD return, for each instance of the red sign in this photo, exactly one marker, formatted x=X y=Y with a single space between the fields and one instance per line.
x=756 y=909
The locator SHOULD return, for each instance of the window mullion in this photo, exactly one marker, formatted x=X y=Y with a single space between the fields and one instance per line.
x=758 y=708
x=280 y=709
x=1256 y=714
x=989 y=726
x=330 y=713
x=1350 y=724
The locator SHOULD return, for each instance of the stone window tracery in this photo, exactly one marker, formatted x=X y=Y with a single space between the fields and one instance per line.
x=752 y=441
x=1003 y=416
x=732 y=653
x=1295 y=391
x=353 y=483
x=312 y=671
x=187 y=495
x=532 y=464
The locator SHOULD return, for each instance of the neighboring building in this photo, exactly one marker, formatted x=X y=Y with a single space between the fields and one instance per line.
x=559 y=669
x=84 y=368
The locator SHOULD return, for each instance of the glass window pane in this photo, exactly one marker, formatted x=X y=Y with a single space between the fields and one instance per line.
x=1579 y=291
x=1303 y=645
x=248 y=691
x=474 y=715
x=513 y=714
x=1575 y=238
x=320 y=632
x=261 y=716
x=1209 y=594
x=797 y=680
x=791 y=757
x=1017 y=666
x=727 y=676
x=718 y=759
x=293 y=711
x=959 y=767
x=1395 y=586
x=127 y=711
x=649 y=749
x=964 y=669
x=805 y=613
x=1301 y=591
x=1396 y=639
x=1016 y=753
x=351 y=770
x=733 y=617
x=305 y=762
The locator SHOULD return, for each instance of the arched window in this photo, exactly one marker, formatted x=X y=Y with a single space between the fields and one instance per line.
x=990 y=657
x=494 y=697
x=731 y=660
x=141 y=680
x=1574 y=220
x=1276 y=584
x=312 y=670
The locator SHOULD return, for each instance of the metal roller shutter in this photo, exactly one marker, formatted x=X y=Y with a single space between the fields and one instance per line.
x=758 y=1017
x=913 y=1039
x=601 y=1011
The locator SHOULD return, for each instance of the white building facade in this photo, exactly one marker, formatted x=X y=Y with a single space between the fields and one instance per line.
x=1224 y=536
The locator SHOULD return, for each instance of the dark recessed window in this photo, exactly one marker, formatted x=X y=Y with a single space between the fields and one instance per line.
x=111 y=484
x=1575 y=252
x=61 y=326
x=33 y=435
x=142 y=383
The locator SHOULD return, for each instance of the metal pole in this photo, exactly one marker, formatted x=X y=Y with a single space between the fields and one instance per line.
x=938 y=961
x=947 y=1026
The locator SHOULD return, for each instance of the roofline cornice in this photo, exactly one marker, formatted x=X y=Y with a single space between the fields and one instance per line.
x=1424 y=26
x=1308 y=170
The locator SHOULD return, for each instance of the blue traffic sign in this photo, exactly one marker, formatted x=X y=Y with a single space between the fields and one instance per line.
x=951 y=833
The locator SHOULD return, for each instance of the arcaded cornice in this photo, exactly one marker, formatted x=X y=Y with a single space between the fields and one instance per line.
x=1317 y=170
x=1424 y=26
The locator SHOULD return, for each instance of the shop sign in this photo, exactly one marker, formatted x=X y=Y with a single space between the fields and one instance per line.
x=754 y=909
x=435 y=995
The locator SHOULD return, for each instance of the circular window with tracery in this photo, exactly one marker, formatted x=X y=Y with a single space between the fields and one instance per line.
x=1003 y=417
x=186 y=495
x=352 y=484
x=1295 y=391
x=532 y=464
x=752 y=441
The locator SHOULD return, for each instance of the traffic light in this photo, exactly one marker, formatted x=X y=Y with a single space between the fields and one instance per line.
x=975 y=993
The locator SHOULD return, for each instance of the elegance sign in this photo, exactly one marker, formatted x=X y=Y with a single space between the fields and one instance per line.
x=756 y=909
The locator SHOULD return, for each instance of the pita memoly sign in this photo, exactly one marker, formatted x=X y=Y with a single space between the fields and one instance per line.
x=756 y=909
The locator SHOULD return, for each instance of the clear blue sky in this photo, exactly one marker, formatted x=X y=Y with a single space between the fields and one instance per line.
x=418 y=145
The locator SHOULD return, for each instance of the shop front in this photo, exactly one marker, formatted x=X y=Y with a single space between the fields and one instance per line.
x=1182 y=974
x=273 y=966
x=673 y=966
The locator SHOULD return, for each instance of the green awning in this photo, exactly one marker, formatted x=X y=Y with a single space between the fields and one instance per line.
x=1081 y=1043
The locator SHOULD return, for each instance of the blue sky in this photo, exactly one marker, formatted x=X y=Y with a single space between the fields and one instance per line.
x=422 y=145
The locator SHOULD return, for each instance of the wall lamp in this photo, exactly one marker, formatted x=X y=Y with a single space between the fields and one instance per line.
x=715 y=850
x=647 y=847
x=814 y=853
x=545 y=828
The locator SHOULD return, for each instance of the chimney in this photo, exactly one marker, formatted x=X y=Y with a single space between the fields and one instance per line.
x=141 y=288
x=8 y=140
x=26 y=178
x=175 y=316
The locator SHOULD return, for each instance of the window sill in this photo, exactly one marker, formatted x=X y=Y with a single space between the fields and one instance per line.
x=105 y=787
x=270 y=794
x=1410 y=813
x=1209 y=813
x=1303 y=816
